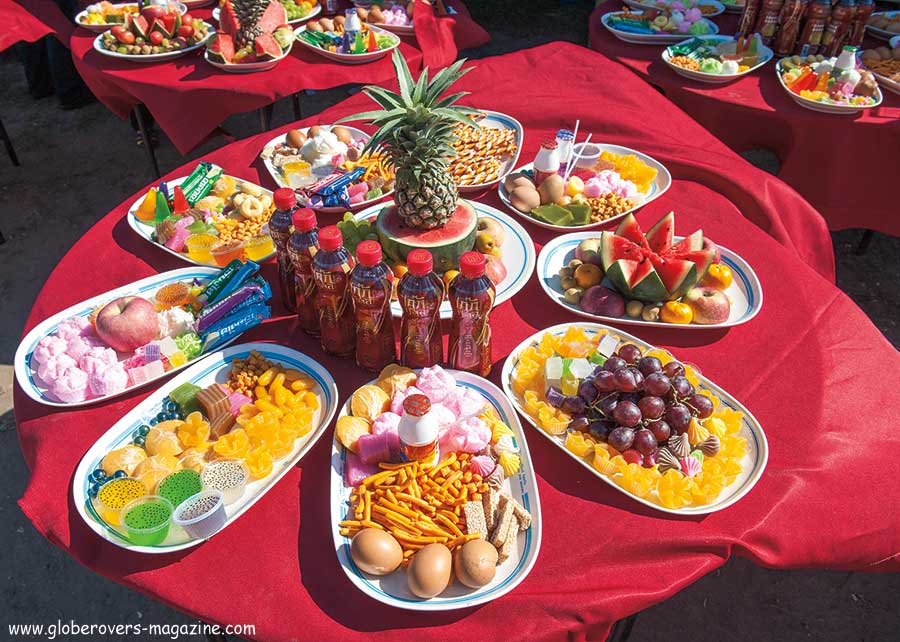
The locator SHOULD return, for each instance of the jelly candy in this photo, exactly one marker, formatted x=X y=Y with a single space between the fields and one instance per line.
x=634 y=480
x=146 y=211
x=696 y=432
x=674 y=490
x=259 y=462
x=576 y=443
x=715 y=426
x=603 y=462
x=234 y=445
x=194 y=431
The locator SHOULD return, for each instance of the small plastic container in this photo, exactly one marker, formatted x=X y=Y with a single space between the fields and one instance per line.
x=586 y=156
x=180 y=485
x=225 y=252
x=228 y=476
x=199 y=247
x=298 y=174
x=258 y=247
x=114 y=495
x=201 y=515
x=147 y=519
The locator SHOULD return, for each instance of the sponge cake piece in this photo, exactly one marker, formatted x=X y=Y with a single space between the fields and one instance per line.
x=504 y=522
x=509 y=544
x=475 y=522
x=490 y=501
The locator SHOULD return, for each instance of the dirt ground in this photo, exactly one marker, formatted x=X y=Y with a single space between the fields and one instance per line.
x=76 y=166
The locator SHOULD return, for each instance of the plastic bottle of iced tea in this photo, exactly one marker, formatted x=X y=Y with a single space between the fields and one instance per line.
x=420 y=292
x=371 y=285
x=471 y=295
x=331 y=270
x=280 y=231
x=302 y=248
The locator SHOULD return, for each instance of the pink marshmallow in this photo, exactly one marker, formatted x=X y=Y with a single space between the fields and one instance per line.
x=464 y=402
x=53 y=367
x=469 y=436
x=436 y=383
x=108 y=381
x=81 y=345
x=97 y=359
x=385 y=422
x=74 y=327
x=693 y=15
x=49 y=346
x=70 y=386
x=444 y=415
x=355 y=470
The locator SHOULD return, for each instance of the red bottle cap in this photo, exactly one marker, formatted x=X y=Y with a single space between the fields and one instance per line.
x=416 y=405
x=472 y=264
x=304 y=219
x=419 y=262
x=330 y=238
x=284 y=198
x=368 y=253
x=549 y=143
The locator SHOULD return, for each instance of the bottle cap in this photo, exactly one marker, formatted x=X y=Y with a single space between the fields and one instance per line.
x=472 y=264
x=564 y=134
x=330 y=238
x=304 y=219
x=419 y=262
x=416 y=405
x=549 y=143
x=368 y=253
x=284 y=198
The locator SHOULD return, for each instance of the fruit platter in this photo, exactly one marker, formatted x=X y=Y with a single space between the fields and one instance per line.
x=653 y=279
x=487 y=152
x=134 y=335
x=607 y=183
x=717 y=59
x=244 y=44
x=884 y=25
x=206 y=218
x=197 y=453
x=101 y=16
x=157 y=33
x=340 y=45
x=434 y=501
x=884 y=63
x=296 y=12
x=707 y=8
x=655 y=27
x=311 y=159
x=810 y=85
x=645 y=423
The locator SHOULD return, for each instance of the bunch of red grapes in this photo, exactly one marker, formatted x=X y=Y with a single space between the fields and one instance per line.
x=634 y=403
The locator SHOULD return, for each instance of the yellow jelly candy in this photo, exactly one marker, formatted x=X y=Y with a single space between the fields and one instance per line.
x=194 y=431
x=576 y=443
x=259 y=462
x=161 y=442
x=233 y=445
x=280 y=449
x=663 y=355
x=552 y=421
x=532 y=403
x=691 y=375
x=602 y=461
x=696 y=432
x=634 y=480
x=674 y=490
x=126 y=458
x=715 y=426
x=731 y=418
x=705 y=491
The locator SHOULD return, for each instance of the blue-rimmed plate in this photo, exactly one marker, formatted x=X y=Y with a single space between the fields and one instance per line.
x=212 y=369
x=497 y=120
x=765 y=55
x=392 y=589
x=659 y=187
x=752 y=465
x=662 y=38
x=878 y=32
x=745 y=291
x=517 y=254
x=26 y=374
x=718 y=7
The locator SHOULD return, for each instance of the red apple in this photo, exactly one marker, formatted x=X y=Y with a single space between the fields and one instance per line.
x=127 y=323
x=588 y=251
x=710 y=305
x=494 y=269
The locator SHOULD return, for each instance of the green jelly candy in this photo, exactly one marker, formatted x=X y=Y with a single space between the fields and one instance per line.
x=581 y=214
x=185 y=396
x=553 y=214
x=162 y=207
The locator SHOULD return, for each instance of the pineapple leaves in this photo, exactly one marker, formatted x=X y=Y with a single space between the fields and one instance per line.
x=404 y=78
x=421 y=87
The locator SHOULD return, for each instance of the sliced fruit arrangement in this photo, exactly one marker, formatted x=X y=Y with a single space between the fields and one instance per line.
x=251 y=31
x=105 y=14
x=328 y=34
x=649 y=276
x=156 y=30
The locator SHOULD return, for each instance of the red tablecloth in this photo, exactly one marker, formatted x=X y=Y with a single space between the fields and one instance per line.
x=190 y=98
x=843 y=165
x=441 y=37
x=810 y=367
x=31 y=20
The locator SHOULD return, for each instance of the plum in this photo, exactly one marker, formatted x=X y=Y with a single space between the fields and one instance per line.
x=602 y=301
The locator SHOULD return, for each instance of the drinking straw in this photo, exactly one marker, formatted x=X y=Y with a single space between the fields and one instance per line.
x=572 y=149
x=572 y=163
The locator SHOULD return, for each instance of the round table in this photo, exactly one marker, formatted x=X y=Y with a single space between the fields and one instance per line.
x=800 y=367
x=190 y=98
x=846 y=166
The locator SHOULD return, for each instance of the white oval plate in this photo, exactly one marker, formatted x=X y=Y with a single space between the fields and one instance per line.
x=248 y=67
x=651 y=38
x=658 y=188
x=883 y=34
x=169 y=55
x=402 y=30
x=517 y=255
x=745 y=291
x=392 y=589
x=892 y=86
x=278 y=176
x=212 y=369
x=720 y=8
x=350 y=59
x=182 y=8
x=145 y=231
x=496 y=120
x=25 y=375
x=765 y=55
x=814 y=105
x=752 y=465
x=296 y=21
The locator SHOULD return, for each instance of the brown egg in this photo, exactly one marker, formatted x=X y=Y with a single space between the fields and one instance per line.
x=362 y=13
x=339 y=20
x=295 y=138
x=429 y=571
x=551 y=190
x=376 y=552
x=514 y=180
x=313 y=131
x=314 y=25
x=376 y=16
x=343 y=134
x=476 y=563
x=524 y=198
x=327 y=24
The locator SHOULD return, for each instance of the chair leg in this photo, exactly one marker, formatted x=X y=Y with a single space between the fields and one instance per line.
x=621 y=630
x=145 y=135
x=7 y=143
x=864 y=242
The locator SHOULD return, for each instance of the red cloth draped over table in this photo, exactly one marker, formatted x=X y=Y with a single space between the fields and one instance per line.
x=809 y=356
x=31 y=20
x=440 y=37
x=846 y=166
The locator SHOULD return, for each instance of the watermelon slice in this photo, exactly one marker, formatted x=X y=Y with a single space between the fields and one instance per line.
x=222 y=48
x=446 y=243
x=614 y=247
x=228 y=22
x=631 y=230
x=636 y=280
x=690 y=243
x=140 y=26
x=273 y=17
x=661 y=235
x=267 y=47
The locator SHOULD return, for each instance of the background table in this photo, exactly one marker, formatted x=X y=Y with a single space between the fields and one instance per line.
x=31 y=20
x=843 y=165
x=810 y=367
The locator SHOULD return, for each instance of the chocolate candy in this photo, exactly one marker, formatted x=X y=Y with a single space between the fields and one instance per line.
x=221 y=424
x=214 y=401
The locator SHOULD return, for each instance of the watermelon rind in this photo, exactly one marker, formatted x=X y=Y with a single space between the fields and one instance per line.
x=614 y=247
x=398 y=240
x=267 y=47
x=676 y=275
x=140 y=26
x=222 y=47
x=660 y=236
x=649 y=289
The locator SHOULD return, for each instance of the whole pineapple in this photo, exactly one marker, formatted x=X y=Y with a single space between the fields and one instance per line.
x=415 y=129
x=248 y=13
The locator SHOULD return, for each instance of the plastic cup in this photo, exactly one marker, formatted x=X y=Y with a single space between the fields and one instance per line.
x=227 y=475
x=258 y=247
x=586 y=156
x=202 y=515
x=146 y=520
x=298 y=174
x=199 y=246
x=225 y=252
x=180 y=485
x=114 y=495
